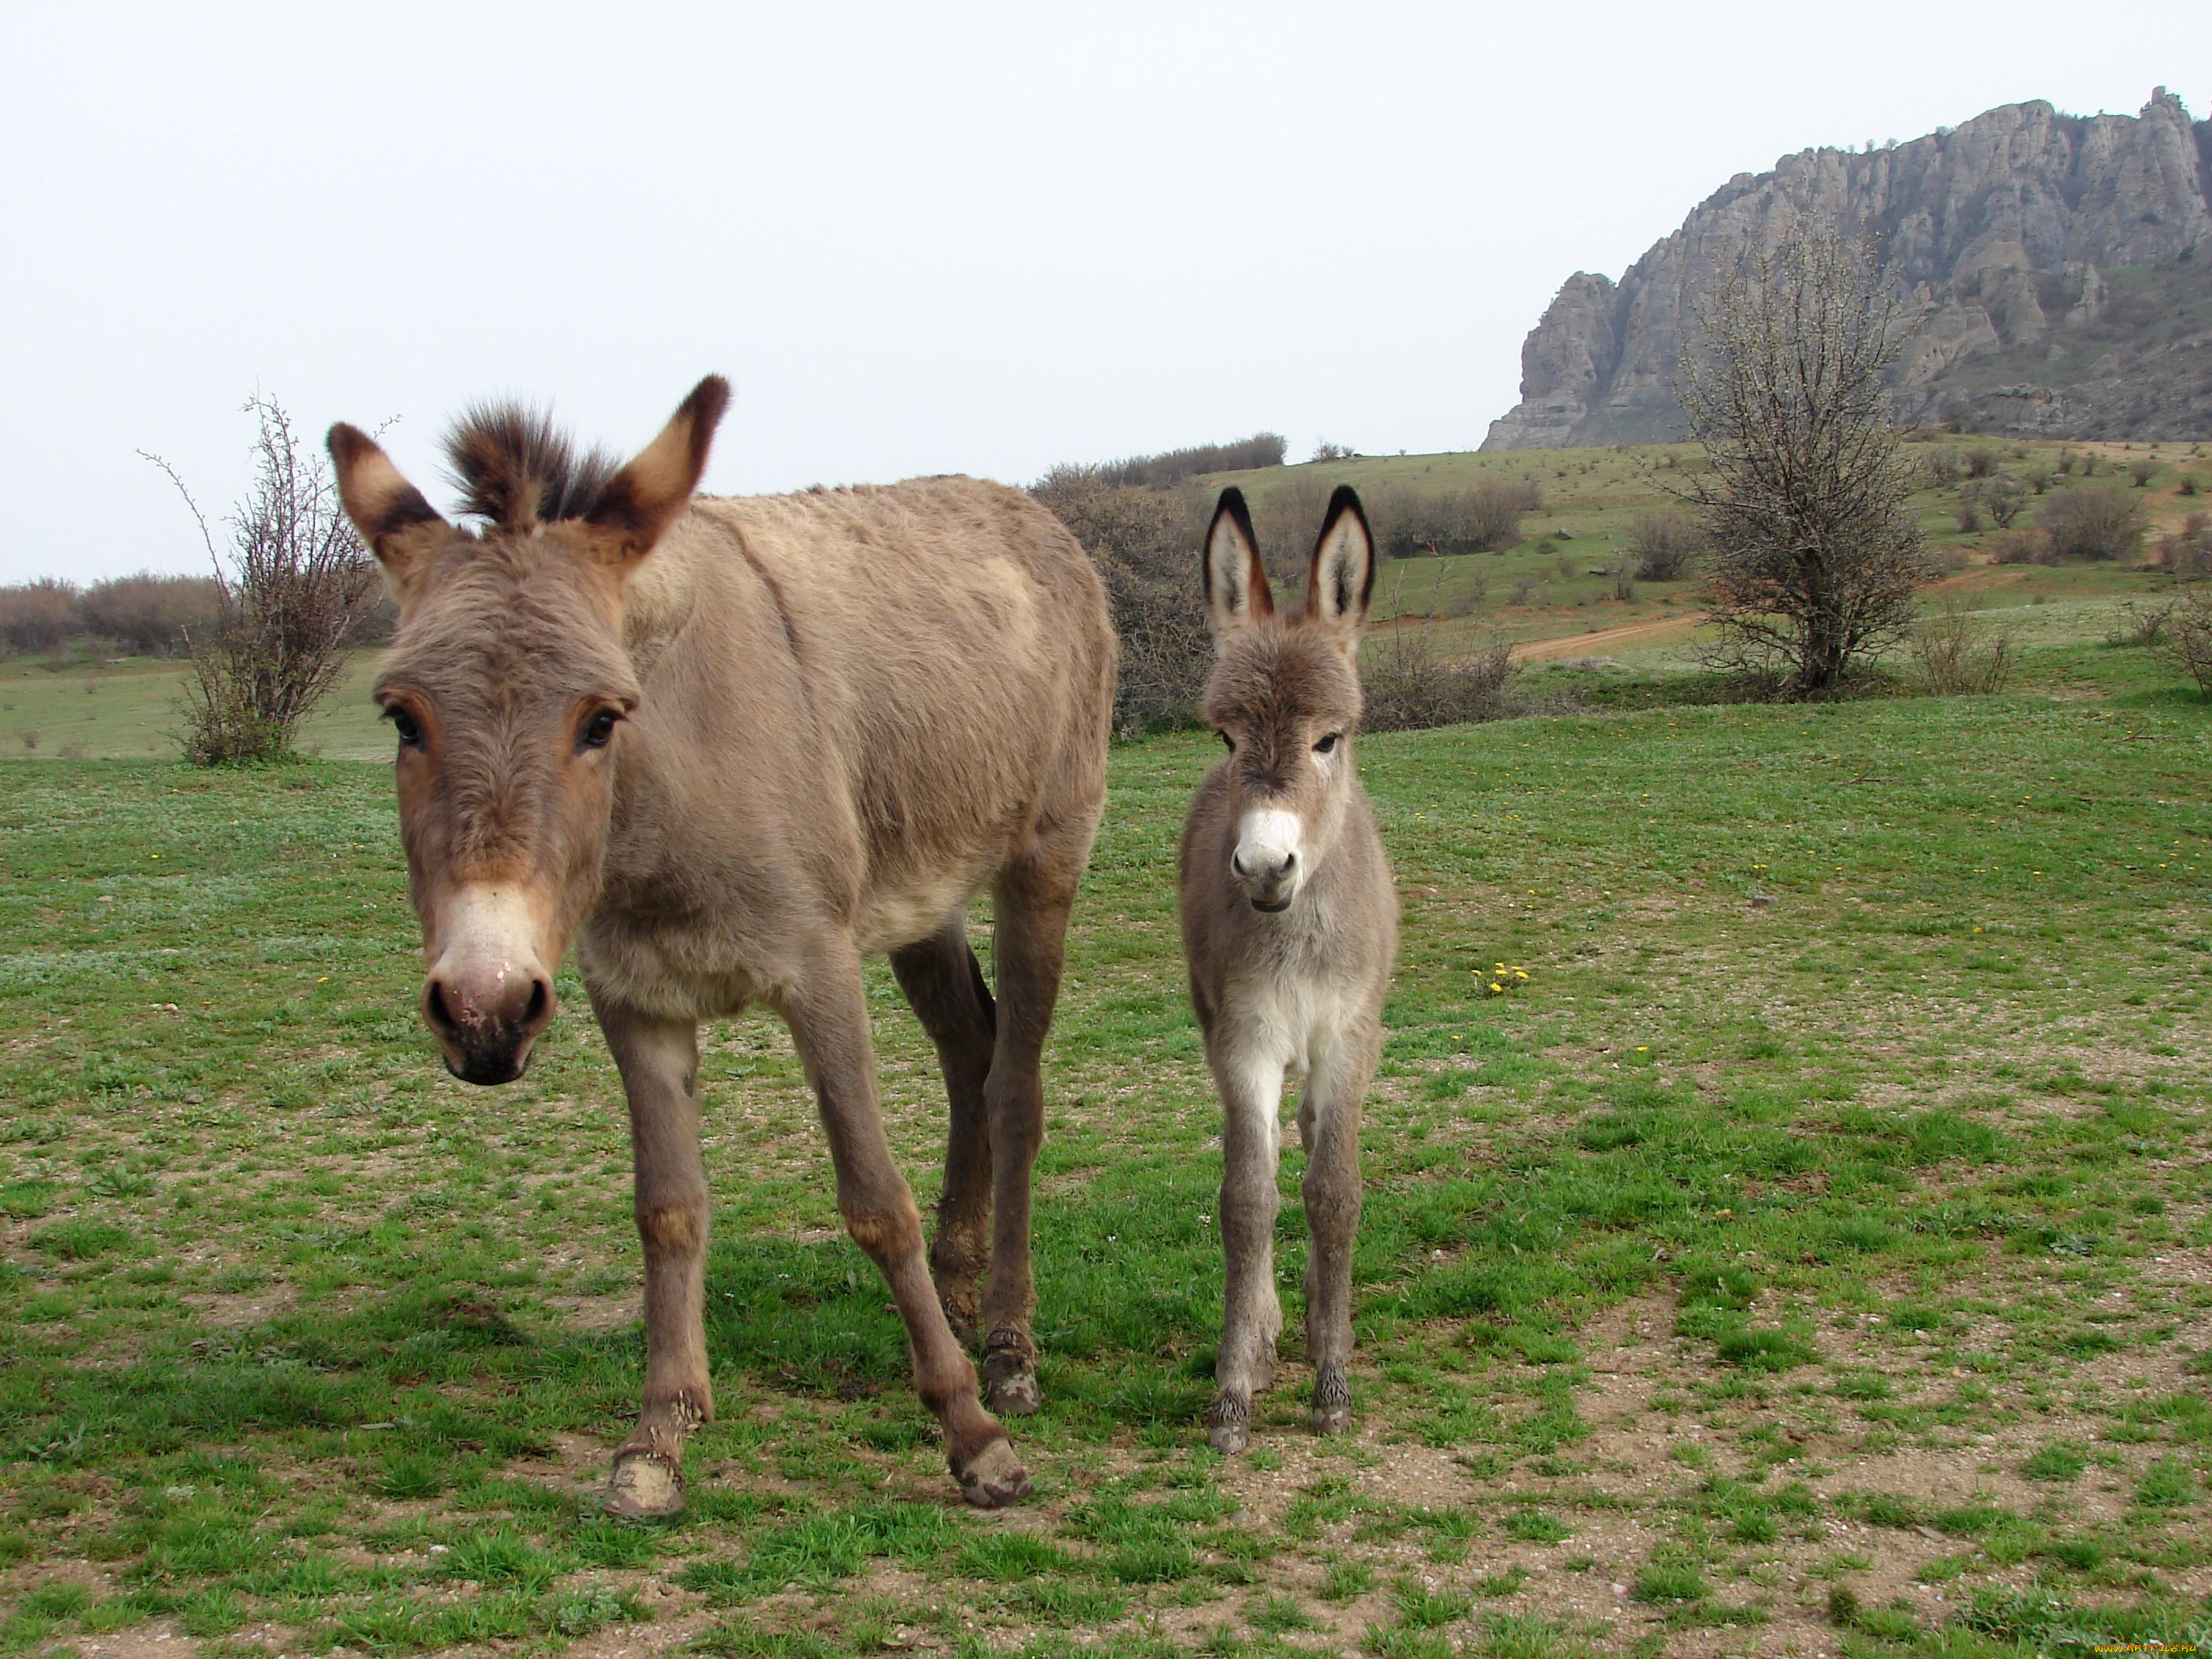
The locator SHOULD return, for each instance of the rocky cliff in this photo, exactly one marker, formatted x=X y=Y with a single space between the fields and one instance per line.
x=2062 y=266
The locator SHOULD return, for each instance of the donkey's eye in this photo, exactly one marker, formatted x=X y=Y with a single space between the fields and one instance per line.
x=1227 y=742
x=597 y=729
x=410 y=730
x=1326 y=742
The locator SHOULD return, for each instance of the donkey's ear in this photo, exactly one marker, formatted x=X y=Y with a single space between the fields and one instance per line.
x=394 y=519
x=1343 y=574
x=1236 y=581
x=637 y=506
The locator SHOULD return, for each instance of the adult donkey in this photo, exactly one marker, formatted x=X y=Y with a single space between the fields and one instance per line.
x=731 y=747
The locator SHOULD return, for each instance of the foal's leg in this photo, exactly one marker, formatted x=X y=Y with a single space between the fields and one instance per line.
x=944 y=985
x=828 y=1014
x=659 y=1063
x=1032 y=900
x=1328 y=1119
x=1251 y=1088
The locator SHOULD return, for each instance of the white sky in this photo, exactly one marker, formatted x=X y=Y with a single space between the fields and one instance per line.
x=919 y=239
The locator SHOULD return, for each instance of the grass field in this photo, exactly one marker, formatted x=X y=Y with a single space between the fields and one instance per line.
x=1813 y=1254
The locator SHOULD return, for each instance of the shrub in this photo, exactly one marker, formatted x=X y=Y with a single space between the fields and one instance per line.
x=1144 y=544
x=2186 y=553
x=2065 y=464
x=2188 y=642
x=2138 y=624
x=2003 y=498
x=2016 y=547
x=2099 y=523
x=151 y=615
x=1943 y=465
x=1981 y=461
x=1410 y=684
x=1173 y=466
x=289 y=593
x=1959 y=660
x=1969 y=508
x=1326 y=451
x=1408 y=521
x=1663 y=544
x=2188 y=484
x=37 y=616
x=2142 y=469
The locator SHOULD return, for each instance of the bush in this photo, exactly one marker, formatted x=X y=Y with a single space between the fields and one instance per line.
x=2017 y=547
x=2142 y=469
x=2187 y=486
x=2099 y=523
x=1981 y=462
x=38 y=616
x=1173 y=466
x=151 y=615
x=1409 y=522
x=2003 y=498
x=1943 y=465
x=2186 y=553
x=2139 y=624
x=1410 y=685
x=1959 y=660
x=1663 y=545
x=2188 y=642
x=1144 y=544
x=1326 y=451
x=1969 y=508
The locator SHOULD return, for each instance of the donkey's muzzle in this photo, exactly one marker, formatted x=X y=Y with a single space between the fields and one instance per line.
x=486 y=1028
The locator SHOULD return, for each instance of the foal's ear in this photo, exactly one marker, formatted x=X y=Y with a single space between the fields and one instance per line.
x=394 y=519
x=1236 y=581
x=1343 y=573
x=637 y=506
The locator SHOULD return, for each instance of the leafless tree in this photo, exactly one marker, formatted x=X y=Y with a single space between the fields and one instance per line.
x=294 y=582
x=1812 y=557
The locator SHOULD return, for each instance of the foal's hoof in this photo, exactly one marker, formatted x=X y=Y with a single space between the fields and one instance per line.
x=1332 y=1402
x=645 y=1486
x=993 y=1477
x=1010 y=1381
x=1228 y=1425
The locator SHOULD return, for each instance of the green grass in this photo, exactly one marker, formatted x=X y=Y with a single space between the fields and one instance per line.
x=1878 y=1206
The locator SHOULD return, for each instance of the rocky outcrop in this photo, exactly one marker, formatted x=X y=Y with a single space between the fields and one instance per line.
x=2020 y=238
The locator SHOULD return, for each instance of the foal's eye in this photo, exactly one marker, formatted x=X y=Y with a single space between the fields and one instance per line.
x=597 y=729
x=1227 y=742
x=410 y=730
x=1326 y=742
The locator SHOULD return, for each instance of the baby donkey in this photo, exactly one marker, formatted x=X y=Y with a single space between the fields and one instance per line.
x=1290 y=925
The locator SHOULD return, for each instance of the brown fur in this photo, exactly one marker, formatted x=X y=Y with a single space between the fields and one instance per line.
x=835 y=717
x=1289 y=941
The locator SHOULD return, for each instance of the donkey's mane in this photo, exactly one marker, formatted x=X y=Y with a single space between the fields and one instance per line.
x=514 y=467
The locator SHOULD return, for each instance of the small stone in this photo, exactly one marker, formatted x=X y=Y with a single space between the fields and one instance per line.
x=1760 y=901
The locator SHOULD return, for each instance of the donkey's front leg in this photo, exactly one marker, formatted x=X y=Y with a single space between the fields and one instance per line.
x=1329 y=1121
x=1252 y=1315
x=660 y=1062
x=828 y=1014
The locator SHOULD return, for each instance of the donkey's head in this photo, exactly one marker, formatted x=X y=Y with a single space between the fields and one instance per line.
x=1285 y=693
x=507 y=683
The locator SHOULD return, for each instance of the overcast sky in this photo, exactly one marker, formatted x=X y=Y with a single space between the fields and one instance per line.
x=917 y=239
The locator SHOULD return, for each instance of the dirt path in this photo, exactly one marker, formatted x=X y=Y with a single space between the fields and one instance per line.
x=1600 y=641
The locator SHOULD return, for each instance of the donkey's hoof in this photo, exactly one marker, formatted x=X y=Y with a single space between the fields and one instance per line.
x=993 y=1477
x=1009 y=1380
x=1228 y=1425
x=1332 y=1402
x=645 y=1486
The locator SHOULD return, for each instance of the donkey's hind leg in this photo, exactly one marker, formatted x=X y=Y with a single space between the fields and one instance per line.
x=945 y=984
x=1252 y=1315
x=1328 y=1120
x=1032 y=898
